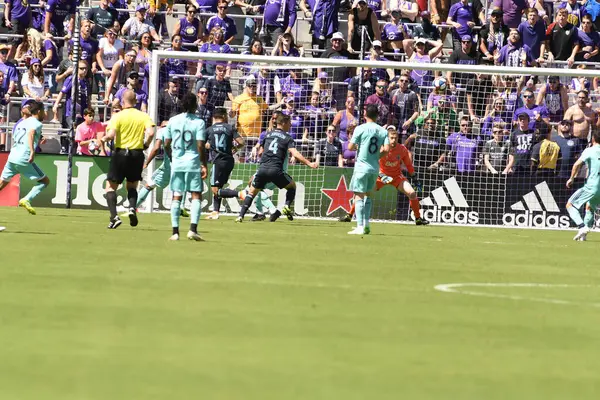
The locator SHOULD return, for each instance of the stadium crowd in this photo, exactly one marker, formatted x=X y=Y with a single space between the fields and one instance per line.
x=454 y=121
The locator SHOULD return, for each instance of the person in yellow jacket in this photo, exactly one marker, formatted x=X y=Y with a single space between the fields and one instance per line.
x=160 y=20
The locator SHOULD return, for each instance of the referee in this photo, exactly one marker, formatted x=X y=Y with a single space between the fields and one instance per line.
x=133 y=131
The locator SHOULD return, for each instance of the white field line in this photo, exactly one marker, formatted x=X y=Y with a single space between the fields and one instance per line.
x=458 y=288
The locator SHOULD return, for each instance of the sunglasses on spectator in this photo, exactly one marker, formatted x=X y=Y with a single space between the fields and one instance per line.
x=497 y=131
x=466 y=42
x=330 y=130
x=192 y=11
x=430 y=122
x=382 y=86
x=403 y=80
x=222 y=8
x=203 y=93
x=528 y=96
x=4 y=51
x=111 y=33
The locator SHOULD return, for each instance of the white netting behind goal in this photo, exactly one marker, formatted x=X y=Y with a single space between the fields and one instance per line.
x=486 y=142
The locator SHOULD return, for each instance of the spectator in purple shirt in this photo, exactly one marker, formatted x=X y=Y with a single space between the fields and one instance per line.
x=295 y=86
x=286 y=47
x=324 y=21
x=382 y=99
x=589 y=41
x=133 y=83
x=393 y=33
x=17 y=18
x=492 y=37
x=464 y=147
x=207 y=6
x=279 y=17
x=221 y=20
x=215 y=44
x=50 y=61
x=89 y=45
x=349 y=155
x=11 y=76
x=533 y=32
x=189 y=27
x=537 y=114
x=515 y=53
x=576 y=11
x=462 y=18
x=57 y=11
x=512 y=9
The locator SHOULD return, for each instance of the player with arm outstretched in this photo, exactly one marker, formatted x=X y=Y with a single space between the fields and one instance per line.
x=27 y=134
x=277 y=145
x=161 y=176
x=222 y=139
x=589 y=194
x=371 y=143
x=185 y=139
x=390 y=173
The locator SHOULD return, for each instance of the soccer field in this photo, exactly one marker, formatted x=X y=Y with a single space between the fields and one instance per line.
x=293 y=310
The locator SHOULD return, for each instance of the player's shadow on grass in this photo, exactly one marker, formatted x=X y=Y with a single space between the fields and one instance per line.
x=28 y=233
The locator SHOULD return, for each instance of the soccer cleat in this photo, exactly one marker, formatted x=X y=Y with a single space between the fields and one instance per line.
x=583 y=238
x=213 y=215
x=27 y=205
x=242 y=195
x=357 y=231
x=346 y=218
x=581 y=233
x=194 y=236
x=239 y=220
x=258 y=217
x=288 y=213
x=367 y=230
x=421 y=221
x=115 y=223
x=184 y=213
x=133 y=219
x=2 y=228
x=275 y=216
x=174 y=238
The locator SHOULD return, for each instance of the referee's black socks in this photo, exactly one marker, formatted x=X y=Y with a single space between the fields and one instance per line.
x=132 y=196
x=111 y=201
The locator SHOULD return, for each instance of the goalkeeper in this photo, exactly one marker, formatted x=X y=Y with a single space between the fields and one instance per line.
x=390 y=173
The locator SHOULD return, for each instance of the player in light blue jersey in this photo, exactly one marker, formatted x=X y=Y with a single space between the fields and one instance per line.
x=185 y=138
x=161 y=176
x=589 y=194
x=27 y=134
x=371 y=142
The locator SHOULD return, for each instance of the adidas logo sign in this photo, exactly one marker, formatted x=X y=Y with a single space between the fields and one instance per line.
x=445 y=200
x=535 y=209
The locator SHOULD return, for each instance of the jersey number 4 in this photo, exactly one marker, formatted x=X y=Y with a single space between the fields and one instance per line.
x=273 y=146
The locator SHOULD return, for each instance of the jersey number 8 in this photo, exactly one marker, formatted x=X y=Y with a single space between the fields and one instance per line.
x=373 y=147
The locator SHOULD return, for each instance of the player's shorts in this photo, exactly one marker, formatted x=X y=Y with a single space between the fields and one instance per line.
x=29 y=171
x=221 y=170
x=126 y=164
x=161 y=177
x=396 y=182
x=265 y=176
x=363 y=182
x=582 y=196
x=186 y=182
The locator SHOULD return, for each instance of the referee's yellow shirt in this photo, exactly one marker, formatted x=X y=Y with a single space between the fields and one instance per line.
x=130 y=126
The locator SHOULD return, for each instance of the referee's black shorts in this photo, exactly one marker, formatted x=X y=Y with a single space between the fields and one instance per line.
x=126 y=164
x=265 y=176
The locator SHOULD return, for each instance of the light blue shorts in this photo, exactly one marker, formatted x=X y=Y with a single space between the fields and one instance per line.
x=186 y=182
x=161 y=178
x=363 y=182
x=582 y=196
x=29 y=171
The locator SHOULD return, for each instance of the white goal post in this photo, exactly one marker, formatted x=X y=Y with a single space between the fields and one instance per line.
x=474 y=111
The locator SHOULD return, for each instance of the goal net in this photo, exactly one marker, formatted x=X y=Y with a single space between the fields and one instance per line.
x=491 y=145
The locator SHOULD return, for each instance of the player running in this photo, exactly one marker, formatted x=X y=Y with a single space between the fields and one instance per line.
x=185 y=138
x=27 y=134
x=161 y=176
x=221 y=137
x=372 y=143
x=276 y=145
x=589 y=194
x=390 y=173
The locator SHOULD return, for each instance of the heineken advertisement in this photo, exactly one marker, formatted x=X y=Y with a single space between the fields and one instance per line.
x=469 y=199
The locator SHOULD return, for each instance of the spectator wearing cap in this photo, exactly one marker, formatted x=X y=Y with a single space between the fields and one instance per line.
x=393 y=32
x=294 y=85
x=545 y=154
x=555 y=96
x=286 y=47
x=17 y=18
x=134 y=84
x=102 y=17
x=169 y=104
x=426 y=30
x=81 y=103
x=466 y=55
x=88 y=133
x=324 y=87
x=419 y=54
x=383 y=101
x=561 y=39
x=462 y=18
x=537 y=114
x=299 y=125
x=279 y=16
x=139 y=24
x=340 y=74
x=405 y=107
x=362 y=17
x=223 y=22
x=204 y=110
x=189 y=28
x=495 y=151
x=575 y=11
x=324 y=21
x=34 y=82
x=515 y=53
x=376 y=54
x=329 y=150
x=533 y=32
x=57 y=11
x=219 y=88
x=512 y=11
x=521 y=142
x=249 y=110
x=570 y=147
x=492 y=37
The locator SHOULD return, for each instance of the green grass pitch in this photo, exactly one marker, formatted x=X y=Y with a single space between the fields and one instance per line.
x=294 y=310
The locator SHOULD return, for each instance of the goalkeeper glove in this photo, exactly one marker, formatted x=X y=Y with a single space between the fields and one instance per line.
x=416 y=184
x=385 y=179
